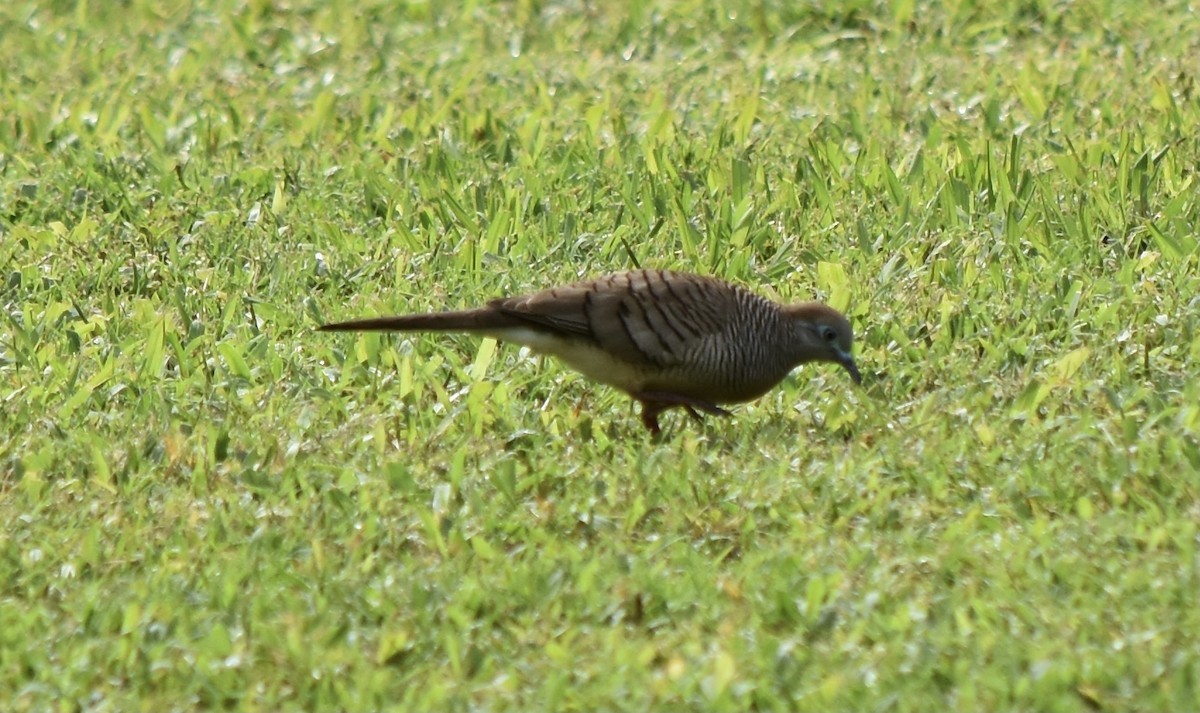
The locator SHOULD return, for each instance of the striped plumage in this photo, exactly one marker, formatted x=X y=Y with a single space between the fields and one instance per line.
x=666 y=338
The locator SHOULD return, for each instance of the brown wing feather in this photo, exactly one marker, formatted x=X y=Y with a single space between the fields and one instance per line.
x=648 y=317
x=560 y=310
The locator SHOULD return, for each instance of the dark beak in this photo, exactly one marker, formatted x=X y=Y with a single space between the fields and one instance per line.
x=848 y=364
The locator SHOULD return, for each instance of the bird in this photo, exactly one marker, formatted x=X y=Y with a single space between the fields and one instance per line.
x=668 y=339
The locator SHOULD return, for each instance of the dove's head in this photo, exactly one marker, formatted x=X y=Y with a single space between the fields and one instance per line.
x=821 y=333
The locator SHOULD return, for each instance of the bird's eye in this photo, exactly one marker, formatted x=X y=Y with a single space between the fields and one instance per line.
x=828 y=334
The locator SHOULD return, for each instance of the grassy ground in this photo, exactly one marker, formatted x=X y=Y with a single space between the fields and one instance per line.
x=206 y=505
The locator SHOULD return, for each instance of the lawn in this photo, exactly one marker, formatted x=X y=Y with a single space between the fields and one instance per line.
x=208 y=505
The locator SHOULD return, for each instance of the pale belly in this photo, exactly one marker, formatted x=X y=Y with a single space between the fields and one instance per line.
x=591 y=361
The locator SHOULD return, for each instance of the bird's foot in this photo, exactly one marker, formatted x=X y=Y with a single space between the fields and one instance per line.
x=650 y=419
x=655 y=402
x=665 y=400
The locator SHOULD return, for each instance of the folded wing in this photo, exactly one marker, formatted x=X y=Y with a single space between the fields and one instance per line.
x=645 y=317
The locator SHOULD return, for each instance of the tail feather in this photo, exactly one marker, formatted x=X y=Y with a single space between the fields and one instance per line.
x=473 y=320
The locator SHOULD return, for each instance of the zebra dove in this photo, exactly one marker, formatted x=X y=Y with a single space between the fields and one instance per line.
x=668 y=339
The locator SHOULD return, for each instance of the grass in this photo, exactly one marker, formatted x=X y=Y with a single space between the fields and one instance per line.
x=207 y=505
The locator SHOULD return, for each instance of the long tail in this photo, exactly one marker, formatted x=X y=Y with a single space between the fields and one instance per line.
x=471 y=320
